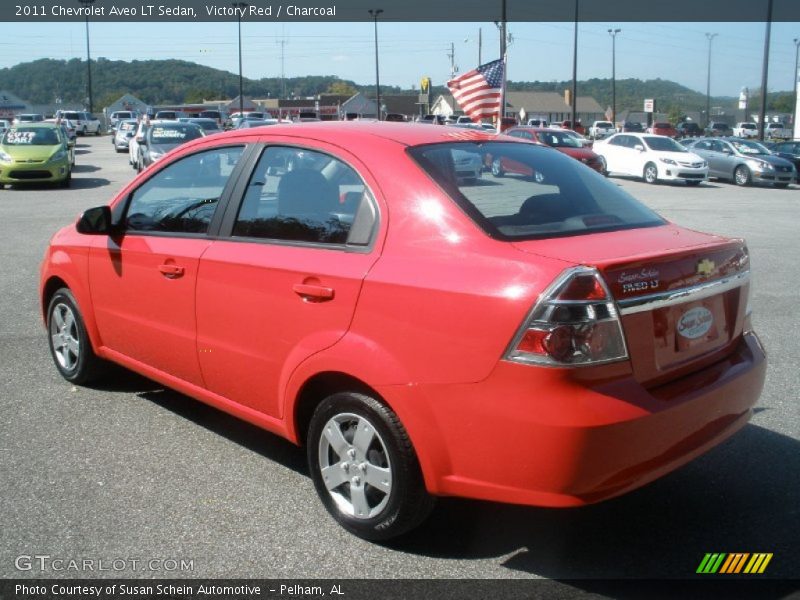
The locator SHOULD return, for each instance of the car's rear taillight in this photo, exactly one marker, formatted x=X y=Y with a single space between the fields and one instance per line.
x=575 y=322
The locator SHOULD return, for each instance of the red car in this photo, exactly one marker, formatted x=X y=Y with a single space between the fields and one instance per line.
x=567 y=124
x=663 y=128
x=545 y=340
x=559 y=140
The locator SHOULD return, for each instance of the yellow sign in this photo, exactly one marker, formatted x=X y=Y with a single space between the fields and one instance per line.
x=705 y=267
x=425 y=85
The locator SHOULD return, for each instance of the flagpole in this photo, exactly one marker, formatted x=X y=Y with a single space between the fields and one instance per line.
x=503 y=58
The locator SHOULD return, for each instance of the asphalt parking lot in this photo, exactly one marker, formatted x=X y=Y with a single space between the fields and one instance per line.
x=130 y=470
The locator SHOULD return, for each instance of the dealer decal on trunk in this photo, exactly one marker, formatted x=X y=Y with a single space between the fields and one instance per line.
x=695 y=323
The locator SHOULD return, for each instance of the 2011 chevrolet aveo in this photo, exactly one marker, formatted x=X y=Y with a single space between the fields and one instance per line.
x=541 y=338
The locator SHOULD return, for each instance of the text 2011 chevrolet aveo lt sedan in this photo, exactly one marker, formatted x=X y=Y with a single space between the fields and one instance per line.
x=541 y=339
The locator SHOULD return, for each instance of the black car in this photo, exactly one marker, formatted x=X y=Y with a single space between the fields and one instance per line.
x=163 y=136
x=788 y=150
x=688 y=129
x=631 y=127
x=717 y=129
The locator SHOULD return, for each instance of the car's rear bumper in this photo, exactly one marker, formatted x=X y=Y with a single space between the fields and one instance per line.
x=539 y=436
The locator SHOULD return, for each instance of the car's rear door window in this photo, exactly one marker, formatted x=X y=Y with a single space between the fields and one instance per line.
x=182 y=197
x=301 y=195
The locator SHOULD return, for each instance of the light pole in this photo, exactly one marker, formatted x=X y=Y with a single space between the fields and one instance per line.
x=240 y=6
x=794 y=106
x=87 y=4
x=710 y=37
x=374 y=14
x=575 y=73
x=613 y=33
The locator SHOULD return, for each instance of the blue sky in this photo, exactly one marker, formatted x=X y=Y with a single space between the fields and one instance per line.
x=408 y=51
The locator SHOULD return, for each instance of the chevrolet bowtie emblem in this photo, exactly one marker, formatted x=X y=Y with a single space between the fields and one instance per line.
x=705 y=267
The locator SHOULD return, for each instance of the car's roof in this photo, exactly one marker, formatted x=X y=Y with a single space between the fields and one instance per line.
x=41 y=125
x=407 y=134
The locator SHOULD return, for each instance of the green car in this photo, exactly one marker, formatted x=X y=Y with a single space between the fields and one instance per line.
x=35 y=153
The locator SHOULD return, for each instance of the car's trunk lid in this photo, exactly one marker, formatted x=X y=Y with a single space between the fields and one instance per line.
x=682 y=294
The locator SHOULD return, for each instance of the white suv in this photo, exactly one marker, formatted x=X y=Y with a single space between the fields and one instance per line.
x=84 y=122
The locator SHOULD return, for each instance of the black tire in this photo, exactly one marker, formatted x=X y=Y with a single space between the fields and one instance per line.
x=603 y=166
x=781 y=186
x=650 y=173
x=74 y=357
x=385 y=449
x=692 y=182
x=65 y=183
x=742 y=176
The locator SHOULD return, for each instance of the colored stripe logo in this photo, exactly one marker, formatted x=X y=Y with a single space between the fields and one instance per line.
x=735 y=562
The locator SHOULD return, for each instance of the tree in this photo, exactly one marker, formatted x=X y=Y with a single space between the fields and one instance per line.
x=342 y=88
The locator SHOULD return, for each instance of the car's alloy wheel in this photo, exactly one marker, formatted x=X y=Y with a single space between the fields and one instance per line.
x=69 y=344
x=742 y=175
x=497 y=169
x=603 y=166
x=364 y=467
x=650 y=173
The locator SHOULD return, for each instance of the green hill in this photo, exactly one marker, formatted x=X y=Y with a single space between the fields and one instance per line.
x=177 y=81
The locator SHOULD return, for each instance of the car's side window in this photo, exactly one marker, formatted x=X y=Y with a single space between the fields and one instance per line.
x=301 y=195
x=704 y=145
x=182 y=197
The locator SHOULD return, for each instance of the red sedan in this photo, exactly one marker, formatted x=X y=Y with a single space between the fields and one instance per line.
x=563 y=142
x=663 y=128
x=542 y=340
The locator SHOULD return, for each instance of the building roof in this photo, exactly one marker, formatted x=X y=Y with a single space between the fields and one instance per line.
x=549 y=102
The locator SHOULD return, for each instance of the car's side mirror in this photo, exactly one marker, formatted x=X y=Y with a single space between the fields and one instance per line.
x=727 y=151
x=140 y=140
x=639 y=147
x=95 y=221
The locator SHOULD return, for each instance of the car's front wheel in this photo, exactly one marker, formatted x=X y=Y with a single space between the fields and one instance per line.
x=497 y=168
x=364 y=467
x=69 y=343
x=742 y=176
x=650 y=173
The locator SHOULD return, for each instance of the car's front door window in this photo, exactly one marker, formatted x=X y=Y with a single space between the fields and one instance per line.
x=182 y=197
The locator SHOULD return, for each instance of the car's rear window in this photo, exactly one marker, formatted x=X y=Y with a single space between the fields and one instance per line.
x=174 y=133
x=526 y=191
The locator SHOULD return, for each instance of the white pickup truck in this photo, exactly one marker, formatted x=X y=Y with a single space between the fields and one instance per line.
x=601 y=129
x=746 y=129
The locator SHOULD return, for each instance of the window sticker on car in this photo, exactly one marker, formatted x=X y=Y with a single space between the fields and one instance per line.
x=20 y=137
x=160 y=132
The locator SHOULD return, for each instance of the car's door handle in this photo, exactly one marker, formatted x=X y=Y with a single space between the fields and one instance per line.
x=171 y=271
x=313 y=293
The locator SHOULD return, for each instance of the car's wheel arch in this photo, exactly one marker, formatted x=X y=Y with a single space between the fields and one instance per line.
x=62 y=279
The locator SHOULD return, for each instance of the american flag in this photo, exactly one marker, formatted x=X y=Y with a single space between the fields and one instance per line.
x=478 y=91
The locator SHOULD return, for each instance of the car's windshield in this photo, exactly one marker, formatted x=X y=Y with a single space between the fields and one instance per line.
x=533 y=192
x=558 y=139
x=748 y=147
x=174 y=133
x=30 y=136
x=748 y=126
x=663 y=144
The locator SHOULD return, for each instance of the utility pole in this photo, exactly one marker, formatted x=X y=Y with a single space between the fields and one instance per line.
x=283 y=43
x=240 y=6
x=613 y=33
x=575 y=71
x=764 y=72
x=794 y=86
x=452 y=56
x=710 y=37
x=480 y=43
x=87 y=4
x=374 y=13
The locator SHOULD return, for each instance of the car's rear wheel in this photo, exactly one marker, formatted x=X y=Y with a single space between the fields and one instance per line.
x=693 y=182
x=364 y=467
x=742 y=176
x=69 y=343
x=781 y=185
x=650 y=174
